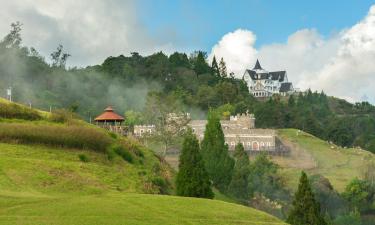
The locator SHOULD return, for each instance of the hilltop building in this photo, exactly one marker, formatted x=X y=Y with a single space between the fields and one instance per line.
x=264 y=84
x=241 y=129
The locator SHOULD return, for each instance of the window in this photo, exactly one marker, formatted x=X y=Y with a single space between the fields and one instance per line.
x=142 y=131
x=248 y=143
x=149 y=131
x=232 y=143
x=261 y=144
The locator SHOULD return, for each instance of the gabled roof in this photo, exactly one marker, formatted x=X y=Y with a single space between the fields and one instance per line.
x=285 y=87
x=109 y=115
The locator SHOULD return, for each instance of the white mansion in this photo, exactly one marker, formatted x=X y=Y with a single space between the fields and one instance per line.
x=262 y=83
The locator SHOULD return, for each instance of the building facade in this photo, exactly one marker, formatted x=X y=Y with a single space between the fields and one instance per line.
x=241 y=129
x=264 y=84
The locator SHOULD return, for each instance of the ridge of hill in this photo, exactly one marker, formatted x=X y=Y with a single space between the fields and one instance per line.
x=309 y=153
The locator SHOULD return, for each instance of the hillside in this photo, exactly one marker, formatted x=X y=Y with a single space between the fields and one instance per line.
x=126 y=209
x=55 y=169
x=316 y=156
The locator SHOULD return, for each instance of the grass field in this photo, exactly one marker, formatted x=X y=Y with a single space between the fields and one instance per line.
x=316 y=156
x=42 y=185
x=126 y=209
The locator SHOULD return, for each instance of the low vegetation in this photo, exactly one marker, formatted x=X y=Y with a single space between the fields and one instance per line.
x=80 y=137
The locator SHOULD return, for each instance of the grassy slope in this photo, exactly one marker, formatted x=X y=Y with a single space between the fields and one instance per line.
x=50 y=185
x=40 y=185
x=316 y=156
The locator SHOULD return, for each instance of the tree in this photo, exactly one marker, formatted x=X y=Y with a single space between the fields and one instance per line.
x=263 y=179
x=192 y=178
x=215 y=153
x=215 y=67
x=199 y=63
x=223 y=68
x=59 y=57
x=238 y=185
x=306 y=210
x=13 y=39
x=165 y=112
x=360 y=194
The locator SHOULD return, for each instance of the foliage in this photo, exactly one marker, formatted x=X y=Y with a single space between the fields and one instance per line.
x=238 y=186
x=121 y=151
x=353 y=218
x=192 y=179
x=15 y=111
x=263 y=179
x=360 y=194
x=80 y=137
x=83 y=158
x=215 y=154
x=305 y=208
x=330 y=200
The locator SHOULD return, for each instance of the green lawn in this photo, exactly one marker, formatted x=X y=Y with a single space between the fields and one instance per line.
x=126 y=209
x=43 y=185
x=316 y=156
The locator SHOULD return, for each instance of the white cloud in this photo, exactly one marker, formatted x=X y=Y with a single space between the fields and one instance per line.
x=237 y=49
x=90 y=30
x=342 y=64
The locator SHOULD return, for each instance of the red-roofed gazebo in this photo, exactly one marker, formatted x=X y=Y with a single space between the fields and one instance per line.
x=109 y=117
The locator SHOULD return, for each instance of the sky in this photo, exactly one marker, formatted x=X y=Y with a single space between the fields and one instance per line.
x=323 y=45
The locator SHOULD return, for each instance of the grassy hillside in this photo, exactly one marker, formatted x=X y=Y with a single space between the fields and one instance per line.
x=126 y=209
x=44 y=178
x=316 y=156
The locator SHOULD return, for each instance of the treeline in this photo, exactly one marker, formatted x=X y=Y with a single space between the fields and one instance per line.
x=187 y=82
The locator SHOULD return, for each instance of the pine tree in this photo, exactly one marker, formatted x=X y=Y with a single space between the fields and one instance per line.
x=218 y=163
x=238 y=185
x=223 y=68
x=192 y=178
x=306 y=210
x=215 y=67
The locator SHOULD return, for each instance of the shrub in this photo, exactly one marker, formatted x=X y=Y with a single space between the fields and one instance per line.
x=125 y=154
x=60 y=136
x=15 y=111
x=161 y=184
x=83 y=158
x=62 y=116
x=110 y=154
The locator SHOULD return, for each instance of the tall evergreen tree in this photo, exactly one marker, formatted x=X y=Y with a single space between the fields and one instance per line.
x=306 y=210
x=215 y=153
x=223 y=68
x=200 y=65
x=215 y=67
x=192 y=178
x=238 y=185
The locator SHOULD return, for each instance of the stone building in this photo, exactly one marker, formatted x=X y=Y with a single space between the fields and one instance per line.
x=143 y=130
x=241 y=129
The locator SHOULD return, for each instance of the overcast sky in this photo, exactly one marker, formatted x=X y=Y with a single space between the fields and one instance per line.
x=323 y=45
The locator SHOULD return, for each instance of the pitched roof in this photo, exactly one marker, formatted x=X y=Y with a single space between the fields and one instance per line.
x=257 y=66
x=285 y=87
x=109 y=115
x=277 y=75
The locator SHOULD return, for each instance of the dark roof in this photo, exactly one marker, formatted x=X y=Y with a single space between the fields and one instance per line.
x=285 y=87
x=277 y=75
x=109 y=115
x=257 y=66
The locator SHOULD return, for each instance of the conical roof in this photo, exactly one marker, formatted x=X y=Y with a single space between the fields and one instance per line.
x=109 y=115
x=257 y=66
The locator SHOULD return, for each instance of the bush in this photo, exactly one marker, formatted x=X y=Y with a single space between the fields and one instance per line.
x=83 y=158
x=60 y=136
x=15 y=111
x=125 y=154
x=62 y=116
x=161 y=184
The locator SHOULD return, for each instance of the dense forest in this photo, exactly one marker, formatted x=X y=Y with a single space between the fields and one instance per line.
x=179 y=82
